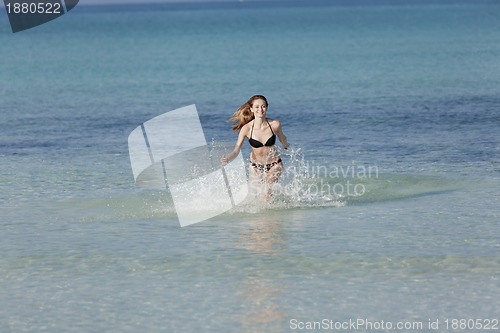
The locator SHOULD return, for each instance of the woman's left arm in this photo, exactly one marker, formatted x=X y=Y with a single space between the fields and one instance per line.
x=281 y=136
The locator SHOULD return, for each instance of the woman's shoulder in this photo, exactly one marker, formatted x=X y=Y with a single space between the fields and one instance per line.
x=246 y=127
x=274 y=123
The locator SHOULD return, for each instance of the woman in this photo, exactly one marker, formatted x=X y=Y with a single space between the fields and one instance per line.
x=251 y=122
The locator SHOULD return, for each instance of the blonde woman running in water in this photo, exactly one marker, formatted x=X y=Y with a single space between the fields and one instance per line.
x=251 y=122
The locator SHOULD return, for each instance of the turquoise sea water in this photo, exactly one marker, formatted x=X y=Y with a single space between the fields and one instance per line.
x=411 y=91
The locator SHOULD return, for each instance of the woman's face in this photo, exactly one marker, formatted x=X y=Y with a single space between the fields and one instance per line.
x=259 y=108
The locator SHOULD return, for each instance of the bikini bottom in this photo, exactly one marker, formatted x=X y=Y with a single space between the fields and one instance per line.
x=265 y=167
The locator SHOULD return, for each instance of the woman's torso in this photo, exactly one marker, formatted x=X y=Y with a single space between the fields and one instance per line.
x=264 y=151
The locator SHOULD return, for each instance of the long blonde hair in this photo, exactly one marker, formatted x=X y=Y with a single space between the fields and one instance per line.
x=244 y=115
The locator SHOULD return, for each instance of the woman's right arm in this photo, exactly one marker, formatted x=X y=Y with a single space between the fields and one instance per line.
x=231 y=156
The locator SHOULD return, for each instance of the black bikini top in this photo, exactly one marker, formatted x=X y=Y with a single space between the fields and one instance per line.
x=257 y=144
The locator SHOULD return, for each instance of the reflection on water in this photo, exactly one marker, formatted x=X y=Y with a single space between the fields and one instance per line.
x=260 y=291
x=260 y=298
x=264 y=236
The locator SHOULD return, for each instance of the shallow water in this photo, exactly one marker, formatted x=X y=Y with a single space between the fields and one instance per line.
x=408 y=91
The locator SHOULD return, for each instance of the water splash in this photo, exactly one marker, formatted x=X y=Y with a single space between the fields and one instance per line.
x=296 y=188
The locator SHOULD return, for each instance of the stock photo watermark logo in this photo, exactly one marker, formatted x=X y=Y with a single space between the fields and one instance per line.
x=26 y=14
x=170 y=152
x=306 y=182
x=348 y=178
